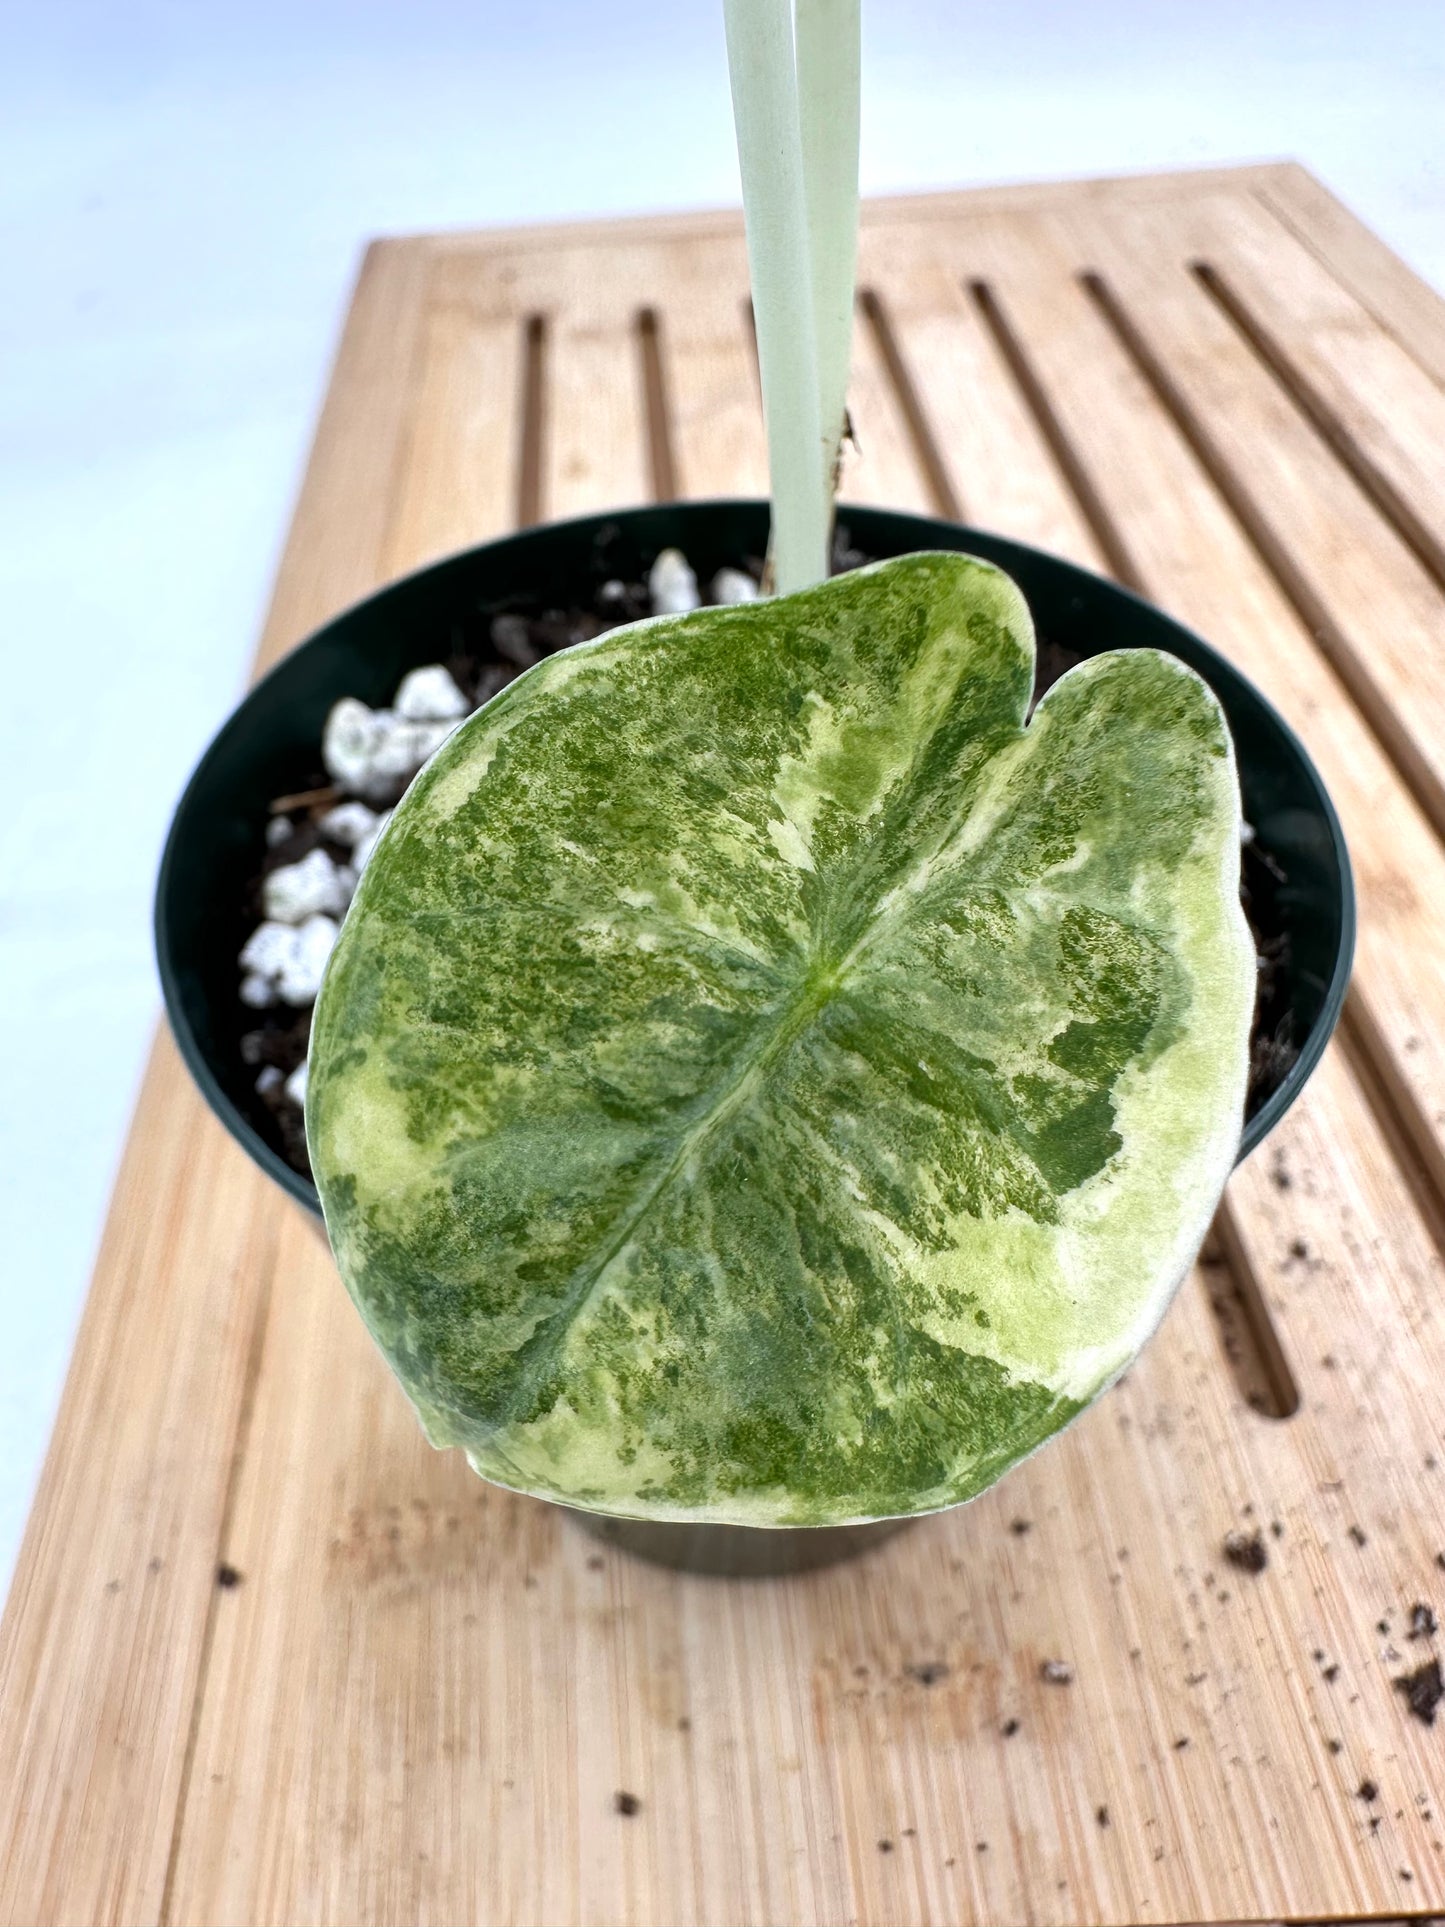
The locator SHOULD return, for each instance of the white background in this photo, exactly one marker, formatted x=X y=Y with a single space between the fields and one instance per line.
x=184 y=190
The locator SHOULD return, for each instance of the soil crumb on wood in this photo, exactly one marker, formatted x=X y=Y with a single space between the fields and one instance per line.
x=927 y=1672
x=1057 y=1672
x=227 y=1576
x=626 y=1804
x=1246 y=1551
x=1423 y=1690
x=1423 y=1623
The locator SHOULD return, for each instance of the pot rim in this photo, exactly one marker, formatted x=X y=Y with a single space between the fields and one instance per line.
x=958 y=535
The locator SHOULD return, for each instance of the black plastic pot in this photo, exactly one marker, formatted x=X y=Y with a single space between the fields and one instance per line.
x=270 y=746
x=271 y=741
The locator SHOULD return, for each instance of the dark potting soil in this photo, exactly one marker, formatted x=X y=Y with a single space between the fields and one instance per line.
x=490 y=646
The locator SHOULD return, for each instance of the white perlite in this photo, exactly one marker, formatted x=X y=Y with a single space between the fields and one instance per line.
x=374 y=753
x=734 y=585
x=267 y=1080
x=349 y=742
x=296 y=1084
x=430 y=695
x=277 y=831
x=349 y=823
x=314 y=886
x=672 y=584
x=284 y=963
x=361 y=855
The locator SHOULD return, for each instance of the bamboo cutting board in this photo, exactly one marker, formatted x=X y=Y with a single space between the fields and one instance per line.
x=270 y=1659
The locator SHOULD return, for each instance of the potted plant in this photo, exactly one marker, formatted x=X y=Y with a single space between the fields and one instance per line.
x=765 y=1077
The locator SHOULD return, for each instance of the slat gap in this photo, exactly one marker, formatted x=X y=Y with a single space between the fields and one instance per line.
x=1261 y=1366
x=1324 y=419
x=1404 y=1126
x=1393 y=736
x=1070 y=463
x=661 y=455
x=532 y=421
x=910 y=405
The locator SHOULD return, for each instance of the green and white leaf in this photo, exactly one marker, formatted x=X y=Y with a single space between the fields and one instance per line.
x=761 y=1079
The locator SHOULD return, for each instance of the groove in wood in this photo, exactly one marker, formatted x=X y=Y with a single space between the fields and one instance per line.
x=532 y=422
x=926 y=451
x=1391 y=730
x=654 y=391
x=1382 y=491
x=1072 y=466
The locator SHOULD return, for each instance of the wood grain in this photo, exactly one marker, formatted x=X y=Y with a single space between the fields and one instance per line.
x=421 y=1697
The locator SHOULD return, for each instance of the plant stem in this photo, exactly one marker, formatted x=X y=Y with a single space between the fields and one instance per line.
x=763 y=69
x=828 y=34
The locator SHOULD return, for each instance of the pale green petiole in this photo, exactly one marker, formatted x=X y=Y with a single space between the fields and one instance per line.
x=795 y=104
x=827 y=39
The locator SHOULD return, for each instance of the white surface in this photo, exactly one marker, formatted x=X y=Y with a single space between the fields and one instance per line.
x=183 y=194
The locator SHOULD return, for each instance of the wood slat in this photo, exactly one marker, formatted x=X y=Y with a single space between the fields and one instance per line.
x=1404 y=306
x=108 y=1620
x=1367 y=596
x=423 y=1696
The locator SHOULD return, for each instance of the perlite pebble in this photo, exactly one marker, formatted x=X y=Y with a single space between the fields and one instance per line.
x=300 y=981
x=512 y=638
x=349 y=743
x=284 y=963
x=300 y=890
x=361 y=855
x=268 y=950
x=268 y=1080
x=348 y=823
x=672 y=584
x=296 y=1084
x=277 y=831
x=402 y=750
x=430 y=695
x=374 y=753
x=734 y=585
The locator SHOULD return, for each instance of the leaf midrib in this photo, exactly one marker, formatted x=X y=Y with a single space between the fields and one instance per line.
x=807 y=1002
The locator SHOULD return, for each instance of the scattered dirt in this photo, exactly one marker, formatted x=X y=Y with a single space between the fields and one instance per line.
x=1423 y=1689
x=1423 y=1623
x=627 y=1804
x=228 y=1577
x=1057 y=1672
x=927 y=1672
x=1246 y=1551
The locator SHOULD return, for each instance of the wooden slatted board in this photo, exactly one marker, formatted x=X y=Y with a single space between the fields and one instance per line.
x=420 y=1699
